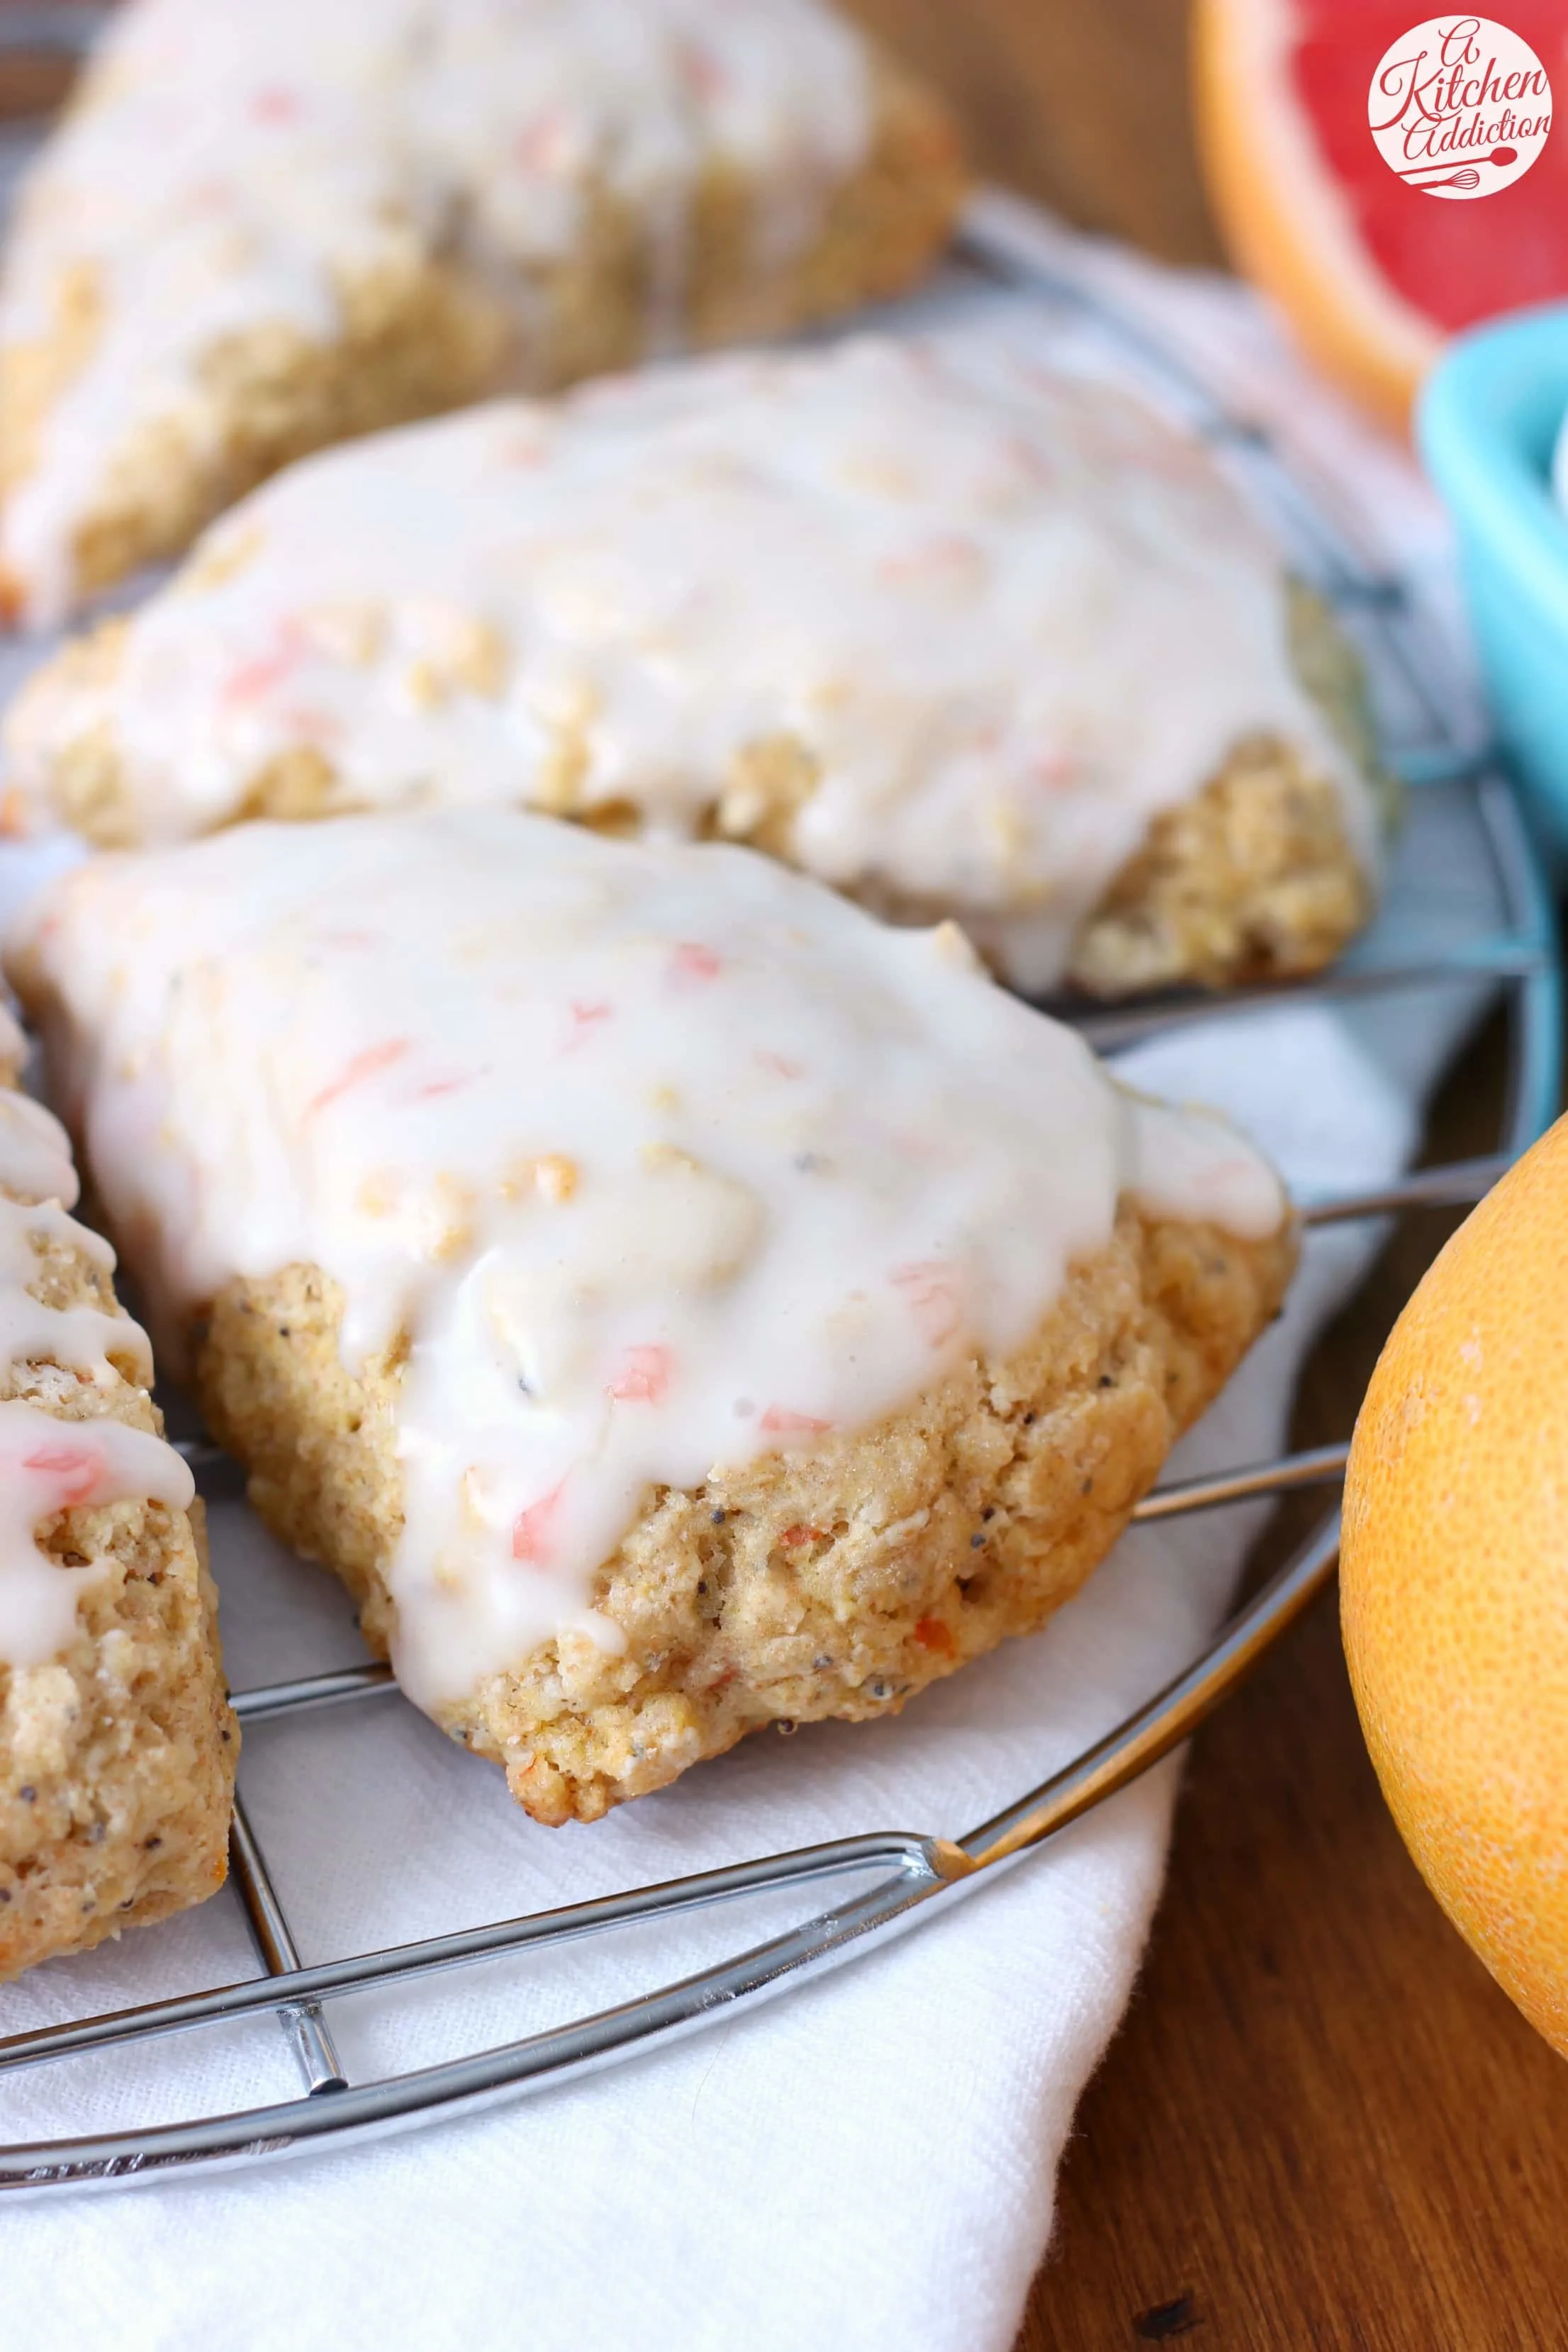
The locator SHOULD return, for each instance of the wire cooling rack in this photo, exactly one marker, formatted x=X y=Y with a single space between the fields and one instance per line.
x=1455 y=789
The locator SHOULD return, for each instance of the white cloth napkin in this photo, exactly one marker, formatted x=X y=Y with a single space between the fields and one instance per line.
x=868 y=2163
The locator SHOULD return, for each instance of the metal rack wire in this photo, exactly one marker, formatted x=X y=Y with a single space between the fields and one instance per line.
x=913 y=1876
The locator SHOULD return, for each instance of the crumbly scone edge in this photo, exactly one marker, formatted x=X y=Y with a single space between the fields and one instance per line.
x=833 y=1583
x=117 y=1758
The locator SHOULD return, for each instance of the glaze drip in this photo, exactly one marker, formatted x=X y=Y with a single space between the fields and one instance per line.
x=48 y=1465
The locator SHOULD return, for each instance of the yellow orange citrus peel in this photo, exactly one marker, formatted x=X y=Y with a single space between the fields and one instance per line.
x=1455 y=1580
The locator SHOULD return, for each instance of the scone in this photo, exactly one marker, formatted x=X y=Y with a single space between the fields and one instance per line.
x=267 y=225
x=672 y=1299
x=955 y=634
x=117 y=1745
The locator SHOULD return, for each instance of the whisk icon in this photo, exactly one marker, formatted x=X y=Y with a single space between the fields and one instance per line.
x=1465 y=177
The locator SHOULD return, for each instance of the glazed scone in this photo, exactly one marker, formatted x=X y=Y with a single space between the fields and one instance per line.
x=670 y=1298
x=958 y=635
x=263 y=228
x=116 y=1745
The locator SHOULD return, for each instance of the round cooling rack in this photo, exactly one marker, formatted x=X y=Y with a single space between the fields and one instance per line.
x=1496 y=936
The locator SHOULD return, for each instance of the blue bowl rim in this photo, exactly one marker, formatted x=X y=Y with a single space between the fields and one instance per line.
x=1486 y=421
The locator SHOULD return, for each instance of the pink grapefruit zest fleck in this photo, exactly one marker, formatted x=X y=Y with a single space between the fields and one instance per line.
x=692 y=961
x=363 y=1065
x=933 y=1290
x=643 y=1376
x=700 y=70
x=540 y=145
x=1030 y=459
x=309 y=724
x=1055 y=770
x=259 y=676
x=77 y=1473
x=532 y=1530
x=947 y=553
x=586 y=1019
x=275 y=105
x=780 y=1420
x=254 y=678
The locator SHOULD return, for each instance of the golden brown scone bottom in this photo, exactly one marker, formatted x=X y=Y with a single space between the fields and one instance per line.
x=1254 y=878
x=833 y=1584
x=117 y=1758
x=425 y=335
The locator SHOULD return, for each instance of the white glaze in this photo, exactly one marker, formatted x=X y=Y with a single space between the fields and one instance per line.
x=48 y=1465
x=35 y=1151
x=80 y=1338
x=240 y=157
x=1010 y=615
x=662 y=1157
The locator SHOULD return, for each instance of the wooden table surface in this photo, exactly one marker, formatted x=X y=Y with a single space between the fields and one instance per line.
x=1321 y=2125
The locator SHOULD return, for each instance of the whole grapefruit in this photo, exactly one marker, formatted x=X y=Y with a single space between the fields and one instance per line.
x=1454 y=1580
x=1374 y=273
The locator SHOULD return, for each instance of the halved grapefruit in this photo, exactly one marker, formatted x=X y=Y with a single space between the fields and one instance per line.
x=1373 y=273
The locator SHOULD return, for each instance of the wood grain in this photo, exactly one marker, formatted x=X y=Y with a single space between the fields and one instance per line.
x=1321 y=2124
x=1081 y=103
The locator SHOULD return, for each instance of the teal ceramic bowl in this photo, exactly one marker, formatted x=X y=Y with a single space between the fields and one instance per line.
x=1488 y=423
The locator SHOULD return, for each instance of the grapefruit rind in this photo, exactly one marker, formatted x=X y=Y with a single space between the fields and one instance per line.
x=1454 y=1600
x=1288 y=225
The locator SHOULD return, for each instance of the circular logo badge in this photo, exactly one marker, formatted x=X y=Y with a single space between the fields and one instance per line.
x=1460 y=107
